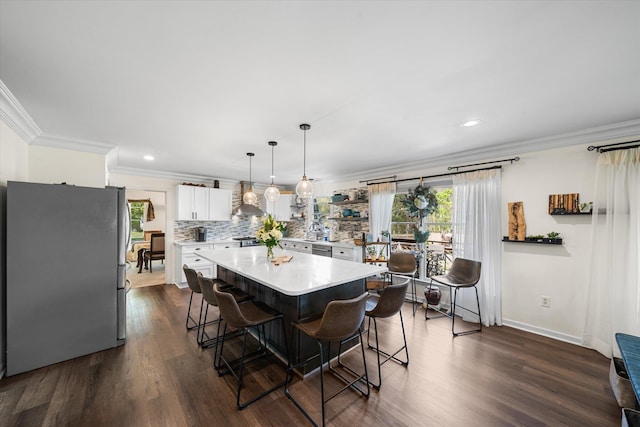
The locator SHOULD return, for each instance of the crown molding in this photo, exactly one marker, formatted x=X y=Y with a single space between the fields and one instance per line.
x=173 y=176
x=597 y=134
x=76 y=144
x=16 y=117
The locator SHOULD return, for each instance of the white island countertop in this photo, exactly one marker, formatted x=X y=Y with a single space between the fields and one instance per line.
x=305 y=273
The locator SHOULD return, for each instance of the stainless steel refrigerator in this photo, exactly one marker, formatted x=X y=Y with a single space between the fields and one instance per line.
x=65 y=272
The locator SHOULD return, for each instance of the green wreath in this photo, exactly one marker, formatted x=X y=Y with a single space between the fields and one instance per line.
x=420 y=203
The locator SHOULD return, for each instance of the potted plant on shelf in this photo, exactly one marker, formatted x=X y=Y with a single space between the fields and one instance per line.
x=586 y=207
x=535 y=238
x=554 y=237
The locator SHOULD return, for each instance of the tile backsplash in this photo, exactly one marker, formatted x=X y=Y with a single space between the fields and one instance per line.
x=239 y=226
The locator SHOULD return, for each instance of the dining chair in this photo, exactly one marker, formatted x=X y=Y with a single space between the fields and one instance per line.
x=155 y=251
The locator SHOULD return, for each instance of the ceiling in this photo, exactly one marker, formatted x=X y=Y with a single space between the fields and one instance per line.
x=384 y=84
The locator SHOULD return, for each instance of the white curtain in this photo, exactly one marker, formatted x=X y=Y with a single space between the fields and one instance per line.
x=476 y=235
x=613 y=292
x=380 y=206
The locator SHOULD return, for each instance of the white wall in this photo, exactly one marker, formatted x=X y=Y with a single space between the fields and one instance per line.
x=55 y=165
x=533 y=270
x=159 y=207
x=14 y=156
x=167 y=186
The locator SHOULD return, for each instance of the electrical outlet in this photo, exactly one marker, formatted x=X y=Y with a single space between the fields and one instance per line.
x=545 y=301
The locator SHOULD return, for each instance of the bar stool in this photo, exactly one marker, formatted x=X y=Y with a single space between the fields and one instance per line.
x=243 y=317
x=386 y=305
x=404 y=264
x=192 y=281
x=464 y=273
x=340 y=322
x=194 y=285
x=206 y=286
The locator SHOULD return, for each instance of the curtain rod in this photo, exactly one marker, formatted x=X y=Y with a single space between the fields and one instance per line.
x=515 y=159
x=599 y=148
x=439 y=175
x=377 y=179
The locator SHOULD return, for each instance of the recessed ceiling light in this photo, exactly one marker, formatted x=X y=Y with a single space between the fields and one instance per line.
x=470 y=123
x=148 y=157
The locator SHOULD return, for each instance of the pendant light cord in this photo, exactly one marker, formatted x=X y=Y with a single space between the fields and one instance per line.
x=304 y=154
x=271 y=164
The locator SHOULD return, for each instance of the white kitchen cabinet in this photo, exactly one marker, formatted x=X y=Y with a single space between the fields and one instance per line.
x=203 y=204
x=219 y=204
x=193 y=203
x=189 y=254
x=347 y=252
x=293 y=245
x=280 y=209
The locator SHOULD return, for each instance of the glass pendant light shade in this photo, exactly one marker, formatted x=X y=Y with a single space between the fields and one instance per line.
x=250 y=197
x=304 y=188
x=272 y=193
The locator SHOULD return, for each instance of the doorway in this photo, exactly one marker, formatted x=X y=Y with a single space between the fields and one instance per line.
x=148 y=216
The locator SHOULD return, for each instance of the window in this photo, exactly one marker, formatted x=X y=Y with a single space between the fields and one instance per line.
x=137 y=220
x=439 y=222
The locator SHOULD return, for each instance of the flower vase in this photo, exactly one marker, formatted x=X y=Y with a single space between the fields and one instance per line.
x=270 y=255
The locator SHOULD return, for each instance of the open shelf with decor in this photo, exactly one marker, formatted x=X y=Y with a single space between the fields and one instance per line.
x=541 y=240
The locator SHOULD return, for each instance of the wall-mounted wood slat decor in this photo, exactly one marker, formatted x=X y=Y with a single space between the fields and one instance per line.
x=517 y=225
x=564 y=203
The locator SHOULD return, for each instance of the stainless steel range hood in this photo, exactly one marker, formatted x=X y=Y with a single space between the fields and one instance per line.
x=246 y=209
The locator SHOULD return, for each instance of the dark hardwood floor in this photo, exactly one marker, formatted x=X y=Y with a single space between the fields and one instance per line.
x=160 y=377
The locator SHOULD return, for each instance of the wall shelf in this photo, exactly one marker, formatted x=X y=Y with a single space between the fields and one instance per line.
x=350 y=202
x=543 y=241
x=571 y=213
x=352 y=218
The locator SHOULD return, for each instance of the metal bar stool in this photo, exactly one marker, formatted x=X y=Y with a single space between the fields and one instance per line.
x=340 y=322
x=464 y=273
x=194 y=285
x=386 y=305
x=404 y=264
x=243 y=317
x=206 y=286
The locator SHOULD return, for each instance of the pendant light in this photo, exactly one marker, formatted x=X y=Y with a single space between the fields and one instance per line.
x=304 y=188
x=250 y=197
x=272 y=193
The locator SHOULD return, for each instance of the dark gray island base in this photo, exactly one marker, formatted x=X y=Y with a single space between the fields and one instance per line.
x=296 y=308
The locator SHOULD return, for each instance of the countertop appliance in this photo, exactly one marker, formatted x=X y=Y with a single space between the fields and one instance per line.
x=66 y=296
x=247 y=241
x=200 y=234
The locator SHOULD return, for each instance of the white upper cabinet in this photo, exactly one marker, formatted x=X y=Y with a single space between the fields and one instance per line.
x=193 y=202
x=281 y=208
x=203 y=204
x=219 y=204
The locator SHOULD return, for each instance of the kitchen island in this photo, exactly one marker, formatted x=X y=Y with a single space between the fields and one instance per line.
x=300 y=288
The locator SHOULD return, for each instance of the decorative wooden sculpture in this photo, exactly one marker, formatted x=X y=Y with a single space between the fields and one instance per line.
x=517 y=225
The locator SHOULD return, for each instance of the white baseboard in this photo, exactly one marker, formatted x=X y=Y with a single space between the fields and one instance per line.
x=544 y=332
x=180 y=285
